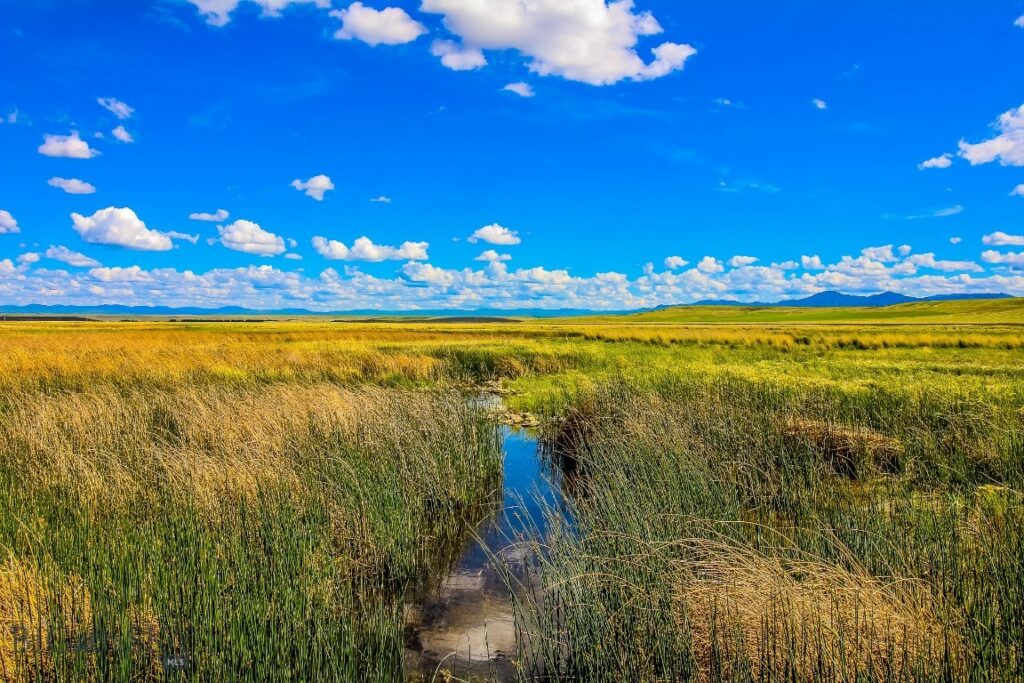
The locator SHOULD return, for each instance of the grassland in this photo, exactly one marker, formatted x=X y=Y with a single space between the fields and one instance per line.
x=774 y=500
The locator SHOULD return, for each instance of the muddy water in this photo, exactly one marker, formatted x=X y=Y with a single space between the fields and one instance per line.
x=464 y=624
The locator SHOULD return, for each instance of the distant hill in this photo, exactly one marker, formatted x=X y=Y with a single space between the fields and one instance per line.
x=838 y=299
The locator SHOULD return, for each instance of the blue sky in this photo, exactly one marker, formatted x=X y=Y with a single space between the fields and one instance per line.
x=551 y=153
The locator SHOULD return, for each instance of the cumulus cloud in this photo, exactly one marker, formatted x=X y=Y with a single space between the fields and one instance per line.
x=315 y=187
x=116 y=107
x=495 y=234
x=120 y=227
x=118 y=274
x=943 y=161
x=819 y=103
x=883 y=253
x=67 y=147
x=955 y=240
x=389 y=26
x=586 y=40
x=492 y=256
x=674 y=263
x=250 y=238
x=72 y=258
x=382 y=199
x=1017 y=191
x=929 y=261
x=521 y=89
x=363 y=249
x=1019 y=23
x=1002 y=239
x=1000 y=258
x=29 y=257
x=741 y=261
x=7 y=223
x=710 y=265
x=72 y=185
x=218 y=12
x=1007 y=147
x=811 y=263
x=123 y=135
x=457 y=57
x=218 y=216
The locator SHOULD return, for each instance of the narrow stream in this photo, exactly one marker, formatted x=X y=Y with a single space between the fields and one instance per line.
x=465 y=626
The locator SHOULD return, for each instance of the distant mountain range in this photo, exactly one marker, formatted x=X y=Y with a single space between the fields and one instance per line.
x=838 y=299
x=820 y=300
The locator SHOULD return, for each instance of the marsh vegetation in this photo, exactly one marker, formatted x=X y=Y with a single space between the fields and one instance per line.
x=213 y=501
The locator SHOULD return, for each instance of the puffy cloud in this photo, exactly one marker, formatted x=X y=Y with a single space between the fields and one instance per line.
x=521 y=89
x=675 y=262
x=363 y=249
x=929 y=261
x=811 y=262
x=786 y=265
x=382 y=199
x=7 y=223
x=219 y=216
x=495 y=234
x=1007 y=147
x=955 y=240
x=943 y=161
x=29 y=257
x=120 y=227
x=491 y=256
x=72 y=185
x=586 y=40
x=175 y=235
x=741 y=261
x=66 y=146
x=1017 y=191
x=117 y=274
x=315 y=187
x=116 y=107
x=999 y=258
x=72 y=258
x=819 y=103
x=1001 y=239
x=710 y=265
x=1019 y=23
x=457 y=57
x=123 y=135
x=883 y=253
x=218 y=12
x=389 y=26
x=250 y=238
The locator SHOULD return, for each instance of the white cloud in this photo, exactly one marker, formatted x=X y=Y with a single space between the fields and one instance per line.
x=7 y=223
x=1001 y=239
x=940 y=213
x=741 y=261
x=1007 y=147
x=521 y=89
x=293 y=257
x=1009 y=258
x=219 y=216
x=675 y=262
x=491 y=256
x=955 y=240
x=812 y=263
x=389 y=26
x=29 y=257
x=116 y=107
x=72 y=185
x=315 y=187
x=363 y=249
x=929 y=261
x=72 y=258
x=819 y=103
x=495 y=234
x=786 y=265
x=883 y=253
x=382 y=199
x=120 y=227
x=584 y=40
x=1017 y=191
x=218 y=12
x=66 y=146
x=905 y=249
x=188 y=237
x=943 y=161
x=250 y=238
x=710 y=265
x=118 y=274
x=123 y=135
x=457 y=57
x=1019 y=23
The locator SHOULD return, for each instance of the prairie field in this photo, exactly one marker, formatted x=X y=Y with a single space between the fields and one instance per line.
x=749 y=498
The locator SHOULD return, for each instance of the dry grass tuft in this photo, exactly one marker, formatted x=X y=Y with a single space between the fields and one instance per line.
x=848 y=450
x=804 y=619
